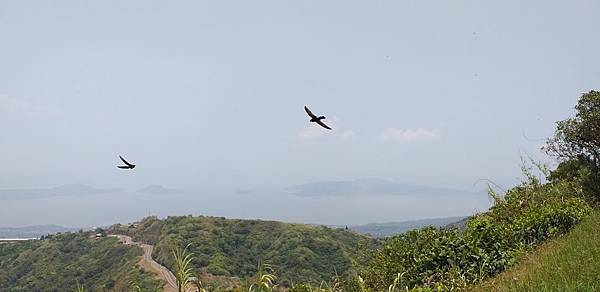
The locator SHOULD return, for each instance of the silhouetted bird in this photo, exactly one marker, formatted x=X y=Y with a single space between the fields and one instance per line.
x=315 y=119
x=127 y=166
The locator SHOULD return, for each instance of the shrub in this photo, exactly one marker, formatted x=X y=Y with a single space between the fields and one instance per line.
x=435 y=259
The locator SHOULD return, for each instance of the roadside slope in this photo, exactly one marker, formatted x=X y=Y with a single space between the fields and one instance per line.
x=231 y=248
x=569 y=263
x=148 y=263
x=59 y=262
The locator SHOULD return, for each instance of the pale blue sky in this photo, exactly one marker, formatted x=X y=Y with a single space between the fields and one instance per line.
x=210 y=94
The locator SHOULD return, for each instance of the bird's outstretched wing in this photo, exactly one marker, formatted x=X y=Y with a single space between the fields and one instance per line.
x=309 y=112
x=323 y=125
x=125 y=161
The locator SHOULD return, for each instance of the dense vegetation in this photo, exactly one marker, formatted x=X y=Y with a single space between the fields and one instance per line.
x=232 y=248
x=492 y=241
x=61 y=262
x=569 y=263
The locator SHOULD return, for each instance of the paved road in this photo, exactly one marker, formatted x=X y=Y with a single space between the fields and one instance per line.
x=147 y=262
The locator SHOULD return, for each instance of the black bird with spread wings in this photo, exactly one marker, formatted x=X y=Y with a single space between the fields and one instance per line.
x=127 y=164
x=315 y=119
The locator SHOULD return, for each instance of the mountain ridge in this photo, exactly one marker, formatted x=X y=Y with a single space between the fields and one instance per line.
x=386 y=229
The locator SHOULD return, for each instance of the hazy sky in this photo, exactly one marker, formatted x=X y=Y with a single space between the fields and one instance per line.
x=210 y=94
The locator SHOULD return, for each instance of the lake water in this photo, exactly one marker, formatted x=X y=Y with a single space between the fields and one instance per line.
x=123 y=207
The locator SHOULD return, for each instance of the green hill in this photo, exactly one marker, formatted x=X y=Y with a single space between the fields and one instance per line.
x=232 y=248
x=569 y=263
x=61 y=262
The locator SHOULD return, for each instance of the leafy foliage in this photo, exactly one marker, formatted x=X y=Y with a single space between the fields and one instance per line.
x=431 y=258
x=569 y=263
x=584 y=174
x=70 y=261
x=265 y=279
x=303 y=253
x=579 y=137
x=577 y=143
x=183 y=269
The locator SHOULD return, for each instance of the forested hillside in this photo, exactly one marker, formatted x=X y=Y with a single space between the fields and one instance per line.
x=232 y=248
x=64 y=261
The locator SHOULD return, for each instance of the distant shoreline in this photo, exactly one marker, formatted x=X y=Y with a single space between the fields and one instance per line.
x=16 y=239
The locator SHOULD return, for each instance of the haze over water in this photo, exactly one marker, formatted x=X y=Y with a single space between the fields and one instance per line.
x=106 y=209
x=208 y=97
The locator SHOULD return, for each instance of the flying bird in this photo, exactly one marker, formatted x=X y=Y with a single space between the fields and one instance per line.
x=315 y=119
x=127 y=164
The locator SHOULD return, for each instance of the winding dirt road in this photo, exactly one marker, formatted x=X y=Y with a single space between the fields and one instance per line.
x=148 y=264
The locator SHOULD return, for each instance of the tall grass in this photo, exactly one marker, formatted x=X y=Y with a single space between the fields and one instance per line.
x=197 y=283
x=569 y=263
x=265 y=279
x=183 y=267
x=79 y=288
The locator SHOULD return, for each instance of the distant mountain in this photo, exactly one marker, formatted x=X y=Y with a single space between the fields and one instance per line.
x=369 y=186
x=460 y=224
x=65 y=190
x=394 y=228
x=33 y=231
x=156 y=189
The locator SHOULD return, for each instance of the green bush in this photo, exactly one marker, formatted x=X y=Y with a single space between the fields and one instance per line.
x=583 y=173
x=229 y=247
x=62 y=262
x=301 y=288
x=433 y=258
x=541 y=223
